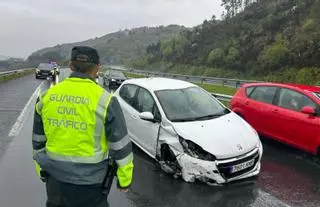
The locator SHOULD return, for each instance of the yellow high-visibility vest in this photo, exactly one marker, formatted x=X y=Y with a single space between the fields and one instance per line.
x=73 y=120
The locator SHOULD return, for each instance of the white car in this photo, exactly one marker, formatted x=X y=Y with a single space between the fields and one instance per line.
x=188 y=131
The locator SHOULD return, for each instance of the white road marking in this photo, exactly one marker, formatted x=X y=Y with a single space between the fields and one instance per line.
x=16 y=128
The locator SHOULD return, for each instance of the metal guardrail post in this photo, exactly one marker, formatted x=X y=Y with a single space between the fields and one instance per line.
x=237 y=84
x=224 y=82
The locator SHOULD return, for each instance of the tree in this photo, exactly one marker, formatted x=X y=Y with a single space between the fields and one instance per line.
x=215 y=57
x=276 y=56
x=232 y=56
x=305 y=76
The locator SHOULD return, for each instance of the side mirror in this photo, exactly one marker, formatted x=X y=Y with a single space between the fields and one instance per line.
x=308 y=110
x=147 y=116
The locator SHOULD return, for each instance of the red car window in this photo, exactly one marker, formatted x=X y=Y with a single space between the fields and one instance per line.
x=294 y=100
x=249 y=90
x=264 y=94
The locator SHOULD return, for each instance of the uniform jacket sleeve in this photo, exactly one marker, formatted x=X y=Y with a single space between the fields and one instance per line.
x=120 y=146
x=38 y=135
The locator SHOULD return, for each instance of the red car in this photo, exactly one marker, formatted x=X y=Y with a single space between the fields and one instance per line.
x=289 y=113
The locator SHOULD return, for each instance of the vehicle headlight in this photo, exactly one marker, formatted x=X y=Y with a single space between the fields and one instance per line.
x=195 y=150
x=113 y=79
x=52 y=72
x=37 y=70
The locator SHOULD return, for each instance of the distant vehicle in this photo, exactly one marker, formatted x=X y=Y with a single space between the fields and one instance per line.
x=45 y=70
x=188 y=131
x=113 y=78
x=286 y=112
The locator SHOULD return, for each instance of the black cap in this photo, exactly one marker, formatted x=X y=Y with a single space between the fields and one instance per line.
x=85 y=54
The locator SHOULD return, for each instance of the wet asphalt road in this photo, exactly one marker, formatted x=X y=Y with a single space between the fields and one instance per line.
x=288 y=176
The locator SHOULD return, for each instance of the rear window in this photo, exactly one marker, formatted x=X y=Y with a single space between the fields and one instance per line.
x=127 y=93
x=45 y=66
x=264 y=94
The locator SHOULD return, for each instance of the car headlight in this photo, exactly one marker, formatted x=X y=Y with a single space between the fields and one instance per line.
x=52 y=72
x=37 y=70
x=113 y=79
x=195 y=150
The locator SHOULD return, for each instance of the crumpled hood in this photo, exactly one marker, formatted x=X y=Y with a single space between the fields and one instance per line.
x=220 y=136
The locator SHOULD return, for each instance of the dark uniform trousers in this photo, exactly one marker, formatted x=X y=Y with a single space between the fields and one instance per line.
x=68 y=195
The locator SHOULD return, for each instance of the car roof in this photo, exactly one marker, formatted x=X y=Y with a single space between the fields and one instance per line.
x=157 y=84
x=307 y=88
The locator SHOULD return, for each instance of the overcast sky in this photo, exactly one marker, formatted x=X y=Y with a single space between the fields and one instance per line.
x=28 y=25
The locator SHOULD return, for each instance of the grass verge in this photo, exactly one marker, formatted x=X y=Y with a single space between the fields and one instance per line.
x=133 y=75
x=12 y=76
x=217 y=88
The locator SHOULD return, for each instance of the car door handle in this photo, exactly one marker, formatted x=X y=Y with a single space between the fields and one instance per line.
x=275 y=110
x=247 y=102
x=135 y=116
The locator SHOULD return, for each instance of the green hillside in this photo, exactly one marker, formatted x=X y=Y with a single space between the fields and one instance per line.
x=115 y=48
x=277 y=40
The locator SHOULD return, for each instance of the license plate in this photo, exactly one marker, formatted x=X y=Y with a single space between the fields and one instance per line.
x=242 y=166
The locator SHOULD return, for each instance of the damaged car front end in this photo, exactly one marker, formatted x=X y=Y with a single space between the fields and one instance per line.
x=183 y=158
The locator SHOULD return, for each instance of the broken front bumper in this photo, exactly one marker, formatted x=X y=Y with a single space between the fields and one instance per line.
x=219 y=171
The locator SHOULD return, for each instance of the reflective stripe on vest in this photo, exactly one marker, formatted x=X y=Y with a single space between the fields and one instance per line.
x=98 y=157
x=99 y=125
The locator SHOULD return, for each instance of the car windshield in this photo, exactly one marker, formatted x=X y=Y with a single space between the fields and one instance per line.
x=116 y=74
x=189 y=104
x=45 y=66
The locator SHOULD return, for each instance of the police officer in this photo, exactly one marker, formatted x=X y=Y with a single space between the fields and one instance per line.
x=77 y=127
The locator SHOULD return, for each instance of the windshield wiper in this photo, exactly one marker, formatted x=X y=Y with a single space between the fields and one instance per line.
x=213 y=116
x=206 y=117
x=210 y=116
x=183 y=120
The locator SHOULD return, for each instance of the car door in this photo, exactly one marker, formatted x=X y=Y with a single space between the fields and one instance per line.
x=146 y=131
x=256 y=107
x=293 y=126
x=128 y=95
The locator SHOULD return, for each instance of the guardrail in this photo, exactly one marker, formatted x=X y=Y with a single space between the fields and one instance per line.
x=222 y=97
x=236 y=83
x=12 y=71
